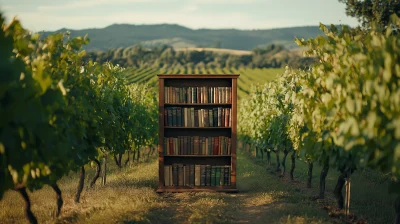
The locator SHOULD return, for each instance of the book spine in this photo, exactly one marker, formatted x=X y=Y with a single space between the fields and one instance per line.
x=191 y=145
x=203 y=175
x=174 y=116
x=173 y=95
x=215 y=117
x=174 y=141
x=213 y=176
x=196 y=145
x=210 y=118
x=165 y=94
x=179 y=117
x=219 y=116
x=185 y=144
x=208 y=175
x=187 y=175
x=227 y=117
x=169 y=111
x=196 y=118
x=166 y=176
x=197 y=175
x=209 y=148
x=184 y=117
x=171 y=147
x=181 y=175
x=201 y=95
x=198 y=95
x=174 y=174
x=223 y=117
x=206 y=119
x=221 y=183
x=217 y=176
x=216 y=95
x=192 y=173
x=181 y=148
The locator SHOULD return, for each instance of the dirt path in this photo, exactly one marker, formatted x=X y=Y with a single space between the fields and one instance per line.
x=129 y=197
x=262 y=198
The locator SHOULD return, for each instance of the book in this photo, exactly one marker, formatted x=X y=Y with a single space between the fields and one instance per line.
x=208 y=175
x=197 y=175
x=166 y=176
x=191 y=176
x=196 y=118
x=175 y=174
x=174 y=117
x=202 y=175
x=217 y=176
x=186 y=175
x=219 y=117
x=169 y=110
x=213 y=183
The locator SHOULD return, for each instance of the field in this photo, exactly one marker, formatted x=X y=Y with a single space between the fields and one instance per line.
x=247 y=78
x=129 y=197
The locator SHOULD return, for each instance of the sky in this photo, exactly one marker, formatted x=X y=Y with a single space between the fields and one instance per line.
x=51 y=15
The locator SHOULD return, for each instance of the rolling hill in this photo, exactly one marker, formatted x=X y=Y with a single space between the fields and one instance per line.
x=125 y=35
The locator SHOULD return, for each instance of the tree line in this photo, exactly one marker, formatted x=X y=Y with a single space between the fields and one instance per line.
x=271 y=56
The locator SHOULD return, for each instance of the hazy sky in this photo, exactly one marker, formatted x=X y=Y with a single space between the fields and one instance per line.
x=40 y=15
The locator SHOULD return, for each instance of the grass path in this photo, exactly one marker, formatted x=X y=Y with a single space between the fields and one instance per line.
x=129 y=197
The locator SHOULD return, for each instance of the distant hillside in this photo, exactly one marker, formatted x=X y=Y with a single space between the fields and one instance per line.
x=215 y=50
x=125 y=35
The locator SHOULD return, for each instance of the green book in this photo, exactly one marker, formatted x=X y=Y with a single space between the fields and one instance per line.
x=218 y=176
x=203 y=175
x=213 y=169
x=208 y=175
x=222 y=176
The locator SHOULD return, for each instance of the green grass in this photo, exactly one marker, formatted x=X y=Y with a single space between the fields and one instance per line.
x=248 y=77
x=263 y=197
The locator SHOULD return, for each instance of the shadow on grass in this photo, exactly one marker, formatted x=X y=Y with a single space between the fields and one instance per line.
x=135 y=183
x=154 y=215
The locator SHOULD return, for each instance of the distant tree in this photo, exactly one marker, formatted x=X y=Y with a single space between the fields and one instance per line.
x=368 y=11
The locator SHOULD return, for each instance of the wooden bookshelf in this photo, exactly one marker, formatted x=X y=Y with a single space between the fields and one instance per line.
x=221 y=164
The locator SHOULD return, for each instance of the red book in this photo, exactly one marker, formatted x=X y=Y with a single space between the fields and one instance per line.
x=227 y=110
x=216 y=146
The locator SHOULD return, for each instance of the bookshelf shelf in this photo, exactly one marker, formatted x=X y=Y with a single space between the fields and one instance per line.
x=197 y=189
x=197 y=156
x=198 y=104
x=198 y=127
x=190 y=172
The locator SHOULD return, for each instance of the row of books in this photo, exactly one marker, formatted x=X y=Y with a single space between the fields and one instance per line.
x=197 y=94
x=197 y=145
x=193 y=117
x=197 y=175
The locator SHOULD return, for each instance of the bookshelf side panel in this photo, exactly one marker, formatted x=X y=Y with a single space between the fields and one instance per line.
x=161 y=134
x=234 y=131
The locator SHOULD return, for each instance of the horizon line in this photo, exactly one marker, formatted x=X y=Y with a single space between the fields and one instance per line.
x=155 y=24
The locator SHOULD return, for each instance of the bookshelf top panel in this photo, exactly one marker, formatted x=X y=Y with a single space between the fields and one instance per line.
x=198 y=76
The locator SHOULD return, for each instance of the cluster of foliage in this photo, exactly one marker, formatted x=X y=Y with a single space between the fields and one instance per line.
x=372 y=11
x=271 y=56
x=343 y=113
x=59 y=112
